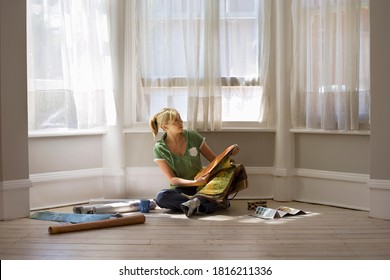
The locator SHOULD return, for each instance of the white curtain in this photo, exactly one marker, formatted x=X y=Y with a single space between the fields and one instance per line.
x=330 y=74
x=208 y=59
x=69 y=64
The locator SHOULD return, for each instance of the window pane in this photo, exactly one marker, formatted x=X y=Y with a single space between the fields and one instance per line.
x=69 y=64
x=172 y=33
x=239 y=50
x=241 y=104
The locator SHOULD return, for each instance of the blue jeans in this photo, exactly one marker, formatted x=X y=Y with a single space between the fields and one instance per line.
x=172 y=198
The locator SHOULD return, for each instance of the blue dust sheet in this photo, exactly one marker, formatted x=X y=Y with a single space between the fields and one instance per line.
x=69 y=217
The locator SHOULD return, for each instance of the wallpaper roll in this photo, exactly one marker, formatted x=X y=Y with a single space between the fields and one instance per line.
x=122 y=207
x=123 y=221
x=112 y=207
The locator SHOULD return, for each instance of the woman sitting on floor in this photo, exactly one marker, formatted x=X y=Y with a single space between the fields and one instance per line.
x=177 y=154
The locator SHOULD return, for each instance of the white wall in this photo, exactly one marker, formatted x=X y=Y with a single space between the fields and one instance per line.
x=14 y=182
x=380 y=130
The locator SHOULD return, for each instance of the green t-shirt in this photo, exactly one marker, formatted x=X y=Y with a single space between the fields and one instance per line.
x=188 y=165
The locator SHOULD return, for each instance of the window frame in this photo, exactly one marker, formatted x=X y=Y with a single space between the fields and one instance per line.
x=131 y=125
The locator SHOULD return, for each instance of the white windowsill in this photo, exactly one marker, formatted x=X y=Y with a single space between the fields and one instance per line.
x=230 y=129
x=66 y=132
x=247 y=129
x=323 y=131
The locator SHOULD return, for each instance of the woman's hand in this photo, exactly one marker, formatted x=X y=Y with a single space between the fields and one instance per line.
x=202 y=180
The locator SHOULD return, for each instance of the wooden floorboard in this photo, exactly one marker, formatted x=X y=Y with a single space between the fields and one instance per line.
x=325 y=232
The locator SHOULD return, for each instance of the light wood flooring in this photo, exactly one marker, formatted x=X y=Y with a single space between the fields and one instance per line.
x=324 y=233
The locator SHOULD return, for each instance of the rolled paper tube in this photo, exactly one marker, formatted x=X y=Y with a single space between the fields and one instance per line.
x=113 y=207
x=118 y=207
x=123 y=221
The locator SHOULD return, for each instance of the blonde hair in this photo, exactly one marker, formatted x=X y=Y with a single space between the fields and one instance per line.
x=165 y=116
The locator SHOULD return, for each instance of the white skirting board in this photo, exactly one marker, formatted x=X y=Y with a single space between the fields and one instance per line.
x=379 y=198
x=339 y=189
x=316 y=186
x=14 y=196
